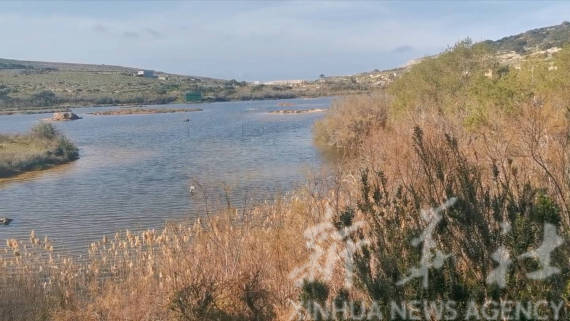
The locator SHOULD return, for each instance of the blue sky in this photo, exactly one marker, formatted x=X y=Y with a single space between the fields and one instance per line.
x=258 y=40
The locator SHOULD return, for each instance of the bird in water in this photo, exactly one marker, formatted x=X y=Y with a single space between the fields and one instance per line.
x=187 y=120
x=191 y=189
x=5 y=220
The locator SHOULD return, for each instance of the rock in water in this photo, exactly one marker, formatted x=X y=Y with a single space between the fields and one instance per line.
x=66 y=115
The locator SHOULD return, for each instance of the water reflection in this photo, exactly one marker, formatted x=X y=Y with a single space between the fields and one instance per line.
x=134 y=170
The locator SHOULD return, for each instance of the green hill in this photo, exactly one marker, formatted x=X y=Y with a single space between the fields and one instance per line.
x=26 y=85
x=31 y=86
x=534 y=40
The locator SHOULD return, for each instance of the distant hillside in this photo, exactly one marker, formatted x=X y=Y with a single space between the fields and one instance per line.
x=34 y=86
x=22 y=64
x=88 y=68
x=534 y=40
x=30 y=86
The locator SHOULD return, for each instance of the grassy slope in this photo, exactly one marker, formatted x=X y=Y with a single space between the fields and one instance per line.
x=42 y=148
x=29 y=85
x=536 y=39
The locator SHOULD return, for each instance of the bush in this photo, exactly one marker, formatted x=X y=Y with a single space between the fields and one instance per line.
x=350 y=120
x=471 y=230
x=42 y=148
x=44 y=131
x=66 y=149
x=44 y=98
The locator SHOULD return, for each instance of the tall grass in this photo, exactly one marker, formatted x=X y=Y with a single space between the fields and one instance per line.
x=510 y=166
x=500 y=145
x=43 y=147
x=232 y=266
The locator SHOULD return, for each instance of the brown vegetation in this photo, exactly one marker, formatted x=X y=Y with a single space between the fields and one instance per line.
x=42 y=148
x=397 y=153
x=233 y=266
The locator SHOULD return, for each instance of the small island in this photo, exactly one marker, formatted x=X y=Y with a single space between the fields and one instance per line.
x=43 y=147
x=143 y=111
x=297 y=111
x=64 y=116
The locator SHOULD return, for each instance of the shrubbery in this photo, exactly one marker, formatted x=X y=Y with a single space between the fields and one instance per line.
x=459 y=125
x=43 y=147
x=498 y=145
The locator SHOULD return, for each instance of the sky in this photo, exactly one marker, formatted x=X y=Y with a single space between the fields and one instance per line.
x=258 y=40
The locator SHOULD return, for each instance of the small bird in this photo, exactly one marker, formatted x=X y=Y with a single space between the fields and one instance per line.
x=191 y=189
x=187 y=120
x=5 y=220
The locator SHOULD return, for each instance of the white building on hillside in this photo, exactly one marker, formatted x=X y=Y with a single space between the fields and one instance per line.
x=285 y=82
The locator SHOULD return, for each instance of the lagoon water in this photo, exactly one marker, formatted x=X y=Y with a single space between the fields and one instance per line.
x=135 y=171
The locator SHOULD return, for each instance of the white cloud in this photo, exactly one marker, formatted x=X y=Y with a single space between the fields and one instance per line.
x=258 y=40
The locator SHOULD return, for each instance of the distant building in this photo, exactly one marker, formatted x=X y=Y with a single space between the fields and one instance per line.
x=162 y=78
x=145 y=73
x=284 y=82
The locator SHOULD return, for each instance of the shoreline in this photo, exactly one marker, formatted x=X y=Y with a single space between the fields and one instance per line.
x=297 y=111
x=43 y=147
x=40 y=168
x=55 y=109
x=34 y=173
x=143 y=111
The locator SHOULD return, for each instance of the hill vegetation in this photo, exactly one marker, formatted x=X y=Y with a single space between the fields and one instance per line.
x=459 y=125
x=534 y=40
x=35 y=86
x=462 y=128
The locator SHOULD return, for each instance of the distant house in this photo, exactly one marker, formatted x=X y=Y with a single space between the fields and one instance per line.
x=145 y=73
x=193 y=96
x=162 y=78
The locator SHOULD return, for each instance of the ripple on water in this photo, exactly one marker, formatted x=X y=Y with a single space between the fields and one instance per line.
x=134 y=172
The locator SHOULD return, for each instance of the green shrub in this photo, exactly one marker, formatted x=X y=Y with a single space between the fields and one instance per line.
x=43 y=147
x=44 y=131
x=471 y=230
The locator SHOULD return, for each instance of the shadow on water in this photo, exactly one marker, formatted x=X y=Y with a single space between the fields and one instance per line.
x=39 y=174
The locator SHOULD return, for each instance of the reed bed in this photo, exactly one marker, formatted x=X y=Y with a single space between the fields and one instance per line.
x=506 y=163
x=234 y=265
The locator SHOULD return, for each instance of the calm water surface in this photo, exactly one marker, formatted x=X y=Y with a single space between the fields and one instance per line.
x=135 y=171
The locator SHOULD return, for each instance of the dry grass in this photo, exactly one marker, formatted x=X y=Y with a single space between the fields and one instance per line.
x=350 y=120
x=232 y=266
x=43 y=147
x=236 y=265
